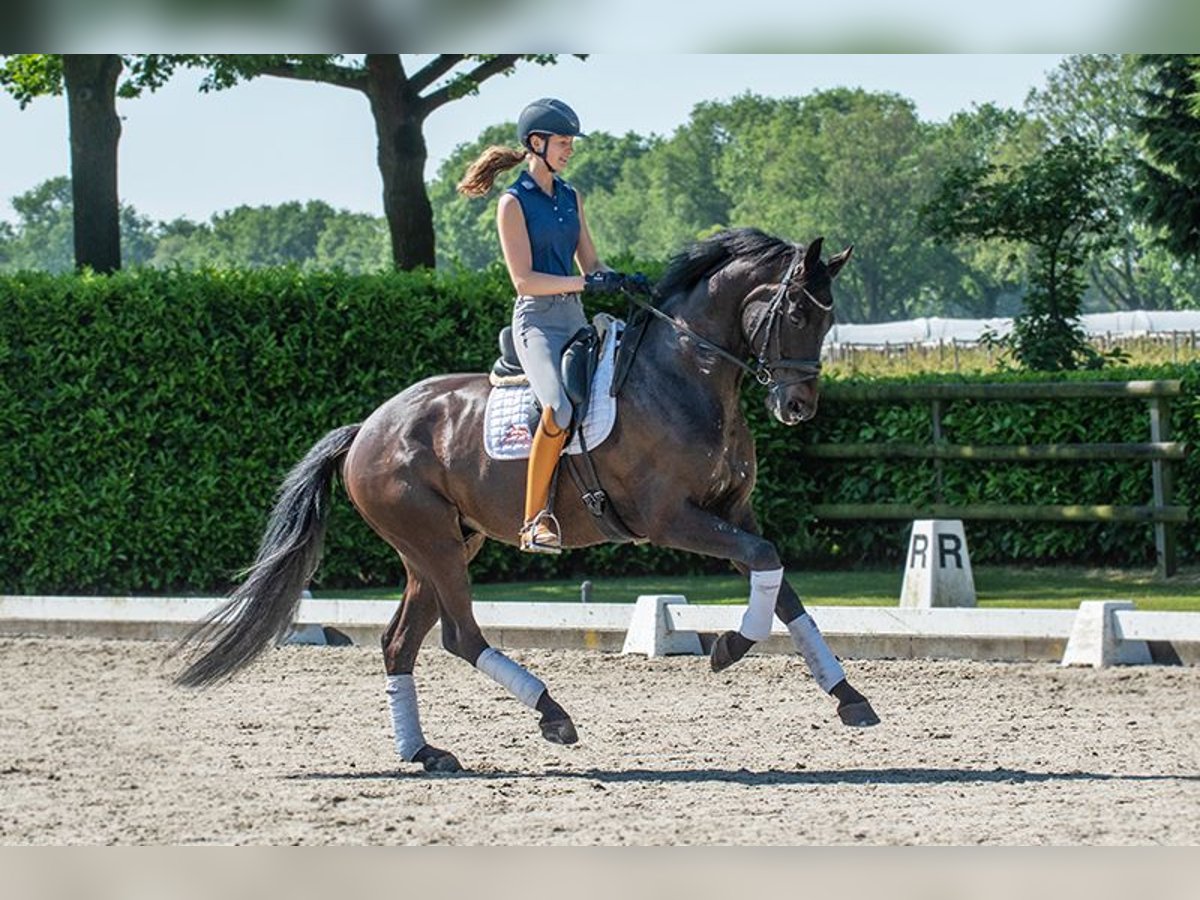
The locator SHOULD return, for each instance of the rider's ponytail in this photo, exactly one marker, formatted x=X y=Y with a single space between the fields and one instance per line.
x=481 y=174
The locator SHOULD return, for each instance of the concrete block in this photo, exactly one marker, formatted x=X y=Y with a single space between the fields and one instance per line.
x=650 y=632
x=937 y=571
x=1095 y=640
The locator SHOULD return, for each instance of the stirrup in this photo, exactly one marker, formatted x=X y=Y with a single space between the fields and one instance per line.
x=539 y=537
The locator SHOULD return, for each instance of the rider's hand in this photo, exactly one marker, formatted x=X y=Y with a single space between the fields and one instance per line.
x=638 y=282
x=603 y=282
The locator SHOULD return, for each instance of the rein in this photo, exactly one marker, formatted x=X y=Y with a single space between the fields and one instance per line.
x=762 y=368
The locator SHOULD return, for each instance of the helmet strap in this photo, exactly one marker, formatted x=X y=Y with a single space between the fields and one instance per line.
x=542 y=152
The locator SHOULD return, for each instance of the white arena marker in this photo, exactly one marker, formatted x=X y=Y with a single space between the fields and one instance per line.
x=937 y=571
x=1096 y=641
x=649 y=632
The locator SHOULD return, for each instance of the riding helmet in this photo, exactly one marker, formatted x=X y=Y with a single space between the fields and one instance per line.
x=547 y=116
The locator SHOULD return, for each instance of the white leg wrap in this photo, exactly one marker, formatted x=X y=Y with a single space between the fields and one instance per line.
x=511 y=675
x=402 y=698
x=764 y=588
x=822 y=663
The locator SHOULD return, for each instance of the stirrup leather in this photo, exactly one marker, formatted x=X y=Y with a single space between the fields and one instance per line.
x=542 y=534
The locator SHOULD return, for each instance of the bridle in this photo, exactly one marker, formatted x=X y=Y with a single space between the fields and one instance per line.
x=762 y=367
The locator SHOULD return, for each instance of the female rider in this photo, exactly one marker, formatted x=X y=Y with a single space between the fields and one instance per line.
x=543 y=234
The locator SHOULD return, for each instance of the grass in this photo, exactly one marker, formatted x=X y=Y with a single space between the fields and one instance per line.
x=1058 y=587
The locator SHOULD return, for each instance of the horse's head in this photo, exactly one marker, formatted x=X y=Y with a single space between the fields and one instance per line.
x=785 y=324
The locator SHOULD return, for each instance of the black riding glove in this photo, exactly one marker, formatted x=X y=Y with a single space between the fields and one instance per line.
x=603 y=282
x=638 y=282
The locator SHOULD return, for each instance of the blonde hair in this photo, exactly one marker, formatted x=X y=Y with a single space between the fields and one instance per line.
x=481 y=174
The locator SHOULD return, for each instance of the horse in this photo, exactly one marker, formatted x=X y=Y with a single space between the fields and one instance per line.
x=679 y=466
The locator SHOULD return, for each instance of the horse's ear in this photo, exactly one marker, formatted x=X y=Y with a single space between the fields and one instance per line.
x=812 y=256
x=836 y=262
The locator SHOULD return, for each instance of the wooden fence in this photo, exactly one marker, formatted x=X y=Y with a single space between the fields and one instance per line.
x=1160 y=451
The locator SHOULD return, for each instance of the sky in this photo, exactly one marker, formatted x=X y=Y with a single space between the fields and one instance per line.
x=184 y=153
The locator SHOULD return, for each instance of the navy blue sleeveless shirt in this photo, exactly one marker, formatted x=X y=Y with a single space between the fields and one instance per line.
x=552 y=223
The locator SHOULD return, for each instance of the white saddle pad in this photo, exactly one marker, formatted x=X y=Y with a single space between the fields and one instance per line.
x=506 y=433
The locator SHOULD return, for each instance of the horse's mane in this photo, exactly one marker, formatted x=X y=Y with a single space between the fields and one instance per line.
x=706 y=256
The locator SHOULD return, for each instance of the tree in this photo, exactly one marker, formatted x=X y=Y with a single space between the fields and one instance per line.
x=400 y=103
x=1056 y=202
x=43 y=239
x=91 y=83
x=1170 y=173
x=669 y=191
x=981 y=277
x=310 y=235
x=1101 y=98
x=854 y=166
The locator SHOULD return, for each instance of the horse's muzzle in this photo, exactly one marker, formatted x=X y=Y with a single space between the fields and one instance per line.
x=794 y=403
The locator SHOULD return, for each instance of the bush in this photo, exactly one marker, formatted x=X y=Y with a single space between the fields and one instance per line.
x=147 y=418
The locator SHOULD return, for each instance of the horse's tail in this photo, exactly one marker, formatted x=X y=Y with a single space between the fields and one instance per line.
x=259 y=611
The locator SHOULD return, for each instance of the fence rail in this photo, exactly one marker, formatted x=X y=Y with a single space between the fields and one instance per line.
x=1160 y=451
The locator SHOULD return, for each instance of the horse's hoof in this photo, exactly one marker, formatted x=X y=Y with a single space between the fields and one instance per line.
x=857 y=715
x=437 y=760
x=559 y=731
x=728 y=649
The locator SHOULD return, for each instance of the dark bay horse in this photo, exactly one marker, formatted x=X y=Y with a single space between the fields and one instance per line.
x=679 y=467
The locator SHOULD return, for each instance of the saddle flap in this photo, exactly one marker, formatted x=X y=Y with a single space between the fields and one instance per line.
x=579 y=360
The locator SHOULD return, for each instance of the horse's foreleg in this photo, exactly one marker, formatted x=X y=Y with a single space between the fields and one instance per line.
x=401 y=641
x=700 y=531
x=853 y=707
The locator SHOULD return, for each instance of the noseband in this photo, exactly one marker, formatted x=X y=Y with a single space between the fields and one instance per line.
x=762 y=368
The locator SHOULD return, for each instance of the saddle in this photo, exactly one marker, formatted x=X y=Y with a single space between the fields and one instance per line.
x=577 y=367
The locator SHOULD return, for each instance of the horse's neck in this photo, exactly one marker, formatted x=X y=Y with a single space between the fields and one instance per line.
x=674 y=351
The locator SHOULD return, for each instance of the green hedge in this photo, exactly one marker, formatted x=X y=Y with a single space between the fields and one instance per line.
x=147 y=418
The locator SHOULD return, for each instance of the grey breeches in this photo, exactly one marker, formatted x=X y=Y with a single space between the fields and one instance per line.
x=541 y=328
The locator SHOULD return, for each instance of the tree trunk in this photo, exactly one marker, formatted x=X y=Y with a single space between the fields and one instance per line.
x=401 y=155
x=95 y=131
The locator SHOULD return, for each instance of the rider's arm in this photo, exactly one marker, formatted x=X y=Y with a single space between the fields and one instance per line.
x=514 y=241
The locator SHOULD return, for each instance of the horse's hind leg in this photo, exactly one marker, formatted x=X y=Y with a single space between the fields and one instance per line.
x=445 y=562
x=401 y=642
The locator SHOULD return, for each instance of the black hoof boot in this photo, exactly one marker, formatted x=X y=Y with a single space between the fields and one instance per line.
x=853 y=708
x=436 y=760
x=728 y=649
x=556 y=725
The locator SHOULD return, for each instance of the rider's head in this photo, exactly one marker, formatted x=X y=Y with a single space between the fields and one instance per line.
x=546 y=128
x=541 y=123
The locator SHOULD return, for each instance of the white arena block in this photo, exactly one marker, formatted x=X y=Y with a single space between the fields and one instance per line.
x=649 y=629
x=1096 y=641
x=306 y=634
x=937 y=570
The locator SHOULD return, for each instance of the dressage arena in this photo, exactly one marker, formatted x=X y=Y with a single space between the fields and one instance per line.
x=98 y=747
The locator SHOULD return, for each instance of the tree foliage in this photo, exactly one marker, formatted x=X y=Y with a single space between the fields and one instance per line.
x=1170 y=127
x=1057 y=204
